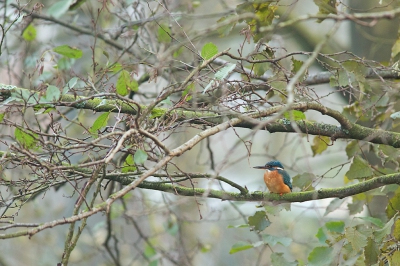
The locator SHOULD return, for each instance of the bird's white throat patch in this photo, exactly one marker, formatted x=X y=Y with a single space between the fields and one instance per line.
x=275 y=168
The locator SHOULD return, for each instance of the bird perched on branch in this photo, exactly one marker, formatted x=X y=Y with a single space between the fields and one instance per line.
x=276 y=178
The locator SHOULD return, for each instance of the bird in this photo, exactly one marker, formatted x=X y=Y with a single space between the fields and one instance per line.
x=276 y=178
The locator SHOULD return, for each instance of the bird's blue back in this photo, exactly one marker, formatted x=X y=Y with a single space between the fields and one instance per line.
x=286 y=178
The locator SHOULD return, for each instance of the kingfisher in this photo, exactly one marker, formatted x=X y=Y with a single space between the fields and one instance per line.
x=276 y=178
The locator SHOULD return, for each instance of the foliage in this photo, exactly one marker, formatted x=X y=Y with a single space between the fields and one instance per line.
x=153 y=114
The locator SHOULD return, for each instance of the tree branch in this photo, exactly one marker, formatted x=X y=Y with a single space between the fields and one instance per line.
x=325 y=193
x=348 y=130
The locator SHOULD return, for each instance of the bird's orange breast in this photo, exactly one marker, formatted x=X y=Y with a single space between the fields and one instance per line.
x=274 y=182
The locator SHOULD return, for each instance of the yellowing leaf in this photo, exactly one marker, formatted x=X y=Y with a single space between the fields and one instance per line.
x=352 y=148
x=359 y=169
x=394 y=204
x=29 y=33
x=320 y=144
x=265 y=13
x=325 y=7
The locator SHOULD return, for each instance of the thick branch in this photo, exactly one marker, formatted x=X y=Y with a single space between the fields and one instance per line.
x=347 y=130
x=341 y=192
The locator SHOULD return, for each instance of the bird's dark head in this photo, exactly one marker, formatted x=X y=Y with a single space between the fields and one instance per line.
x=272 y=165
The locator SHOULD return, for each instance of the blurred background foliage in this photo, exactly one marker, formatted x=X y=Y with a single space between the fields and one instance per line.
x=145 y=51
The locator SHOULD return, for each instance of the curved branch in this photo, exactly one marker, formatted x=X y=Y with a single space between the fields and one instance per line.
x=348 y=130
x=325 y=193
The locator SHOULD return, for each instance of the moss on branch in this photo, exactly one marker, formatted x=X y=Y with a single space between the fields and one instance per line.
x=347 y=130
x=341 y=192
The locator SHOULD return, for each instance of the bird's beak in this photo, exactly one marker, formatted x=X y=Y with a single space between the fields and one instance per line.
x=259 y=167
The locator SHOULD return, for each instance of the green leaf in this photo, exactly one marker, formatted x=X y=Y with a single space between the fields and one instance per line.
x=277 y=259
x=205 y=248
x=294 y=115
x=239 y=226
x=140 y=157
x=359 y=169
x=224 y=72
x=274 y=209
x=334 y=205
x=64 y=63
x=320 y=256
x=115 y=68
x=373 y=220
x=321 y=235
x=70 y=84
x=358 y=203
x=341 y=80
x=164 y=34
x=126 y=83
x=26 y=138
x=29 y=33
x=149 y=251
x=259 y=221
x=273 y=240
x=355 y=238
x=178 y=52
x=59 y=8
x=167 y=102
x=371 y=252
x=209 y=50
x=99 y=123
x=53 y=93
x=221 y=74
x=335 y=226
x=240 y=246
x=304 y=181
x=260 y=68
x=2 y=116
x=157 y=112
x=129 y=165
x=395 y=115
x=358 y=69
x=382 y=233
x=68 y=51
x=320 y=144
